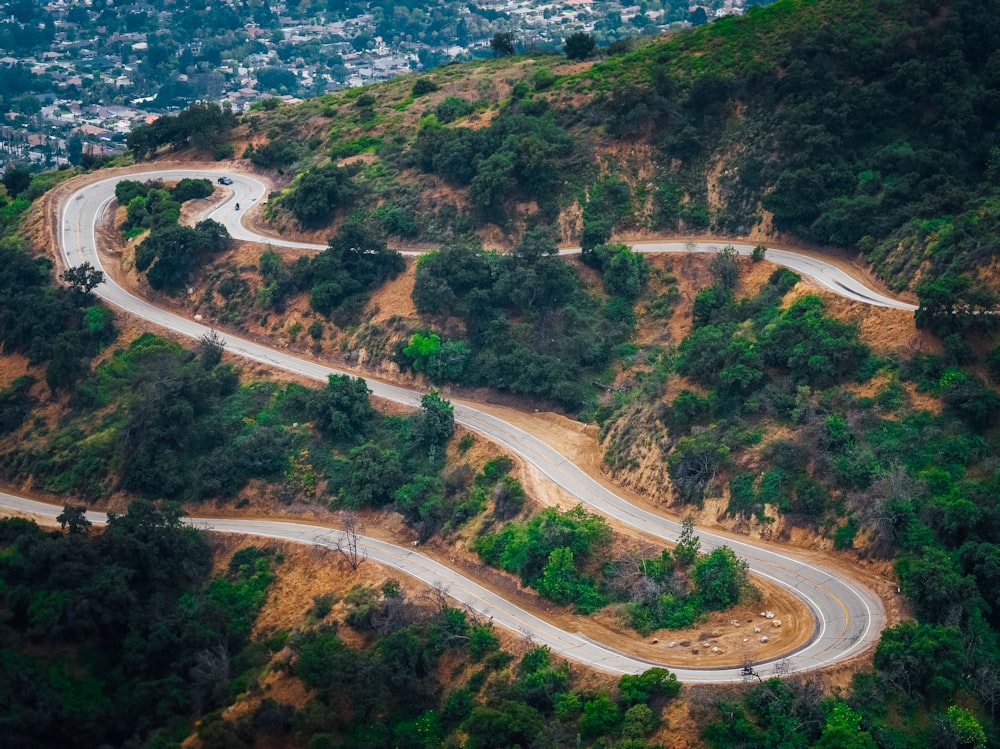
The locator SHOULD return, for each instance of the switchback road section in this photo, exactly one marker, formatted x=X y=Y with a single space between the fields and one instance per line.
x=848 y=617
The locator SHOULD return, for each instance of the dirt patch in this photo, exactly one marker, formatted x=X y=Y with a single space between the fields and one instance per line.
x=362 y=158
x=13 y=366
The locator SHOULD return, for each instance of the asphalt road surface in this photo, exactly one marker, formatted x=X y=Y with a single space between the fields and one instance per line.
x=848 y=616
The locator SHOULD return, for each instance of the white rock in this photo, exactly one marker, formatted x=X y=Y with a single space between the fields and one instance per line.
x=197 y=318
x=757 y=630
x=769 y=614
x=671 y=644
x=776 y=623
x=764 y=638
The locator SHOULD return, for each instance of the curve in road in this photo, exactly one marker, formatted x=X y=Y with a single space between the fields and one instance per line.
x=248 y=191
x=848 y=616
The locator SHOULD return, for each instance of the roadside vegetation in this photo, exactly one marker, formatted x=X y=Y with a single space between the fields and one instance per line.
x=57 y=328
x=566 y=557
x=120 y=636
x=111 y=648
x=170 y=252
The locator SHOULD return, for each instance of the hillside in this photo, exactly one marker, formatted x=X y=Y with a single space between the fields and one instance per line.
x=867 y=125
x=720 y=387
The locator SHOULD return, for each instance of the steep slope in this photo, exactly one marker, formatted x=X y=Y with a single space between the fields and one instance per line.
x=862 y=124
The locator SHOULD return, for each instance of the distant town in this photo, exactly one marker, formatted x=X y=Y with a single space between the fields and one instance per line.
x=77 y=75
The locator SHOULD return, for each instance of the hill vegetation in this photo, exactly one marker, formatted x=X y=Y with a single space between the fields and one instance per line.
x=867 y=125
x=870 y=125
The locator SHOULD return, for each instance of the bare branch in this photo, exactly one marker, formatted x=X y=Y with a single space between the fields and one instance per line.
x=346 y=544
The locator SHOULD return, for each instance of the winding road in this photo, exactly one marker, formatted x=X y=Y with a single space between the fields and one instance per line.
x=848 y=616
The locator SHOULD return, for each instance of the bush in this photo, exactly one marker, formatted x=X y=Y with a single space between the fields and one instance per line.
x=318 y=193
x=423 y=86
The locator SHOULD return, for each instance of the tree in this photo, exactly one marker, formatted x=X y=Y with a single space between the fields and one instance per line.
x=688 y=545
x=962 y=729
x=346 y=544
x=560 y=580
x=423 y=86
x=513 y=724
x=211 y=346
x=343 y=408
x=623 y=272
x=493 y=182
x=694 y=462
x=16 y=179
x=542 y=241
x=423 y=350
x=843 y=730
x=600 y=716
x=502 y=44
x=595 y=232
x=84 y=278
x=639 y=722
x=435 y=424
x=635 y=689
x=922 y=659
x=74 y=519
x=726 y=267
x=374 y=475
x=579 y=46
x=721 y=577
x=318 y=193
x=74 y=149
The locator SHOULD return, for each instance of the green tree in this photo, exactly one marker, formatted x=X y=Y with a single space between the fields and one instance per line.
x=653 y=683
x=601 y=716
x=560 y=580
x=512 y=724
x=435 y=424
x=922 y=659
x=493 y=182
x=639 y=722
x=318 y=193
x=83 y=278
x=579 y=46
x=695 y=461
x=843 y=730
x=688 y=545
x=16 y=179
x=423 y=350
x=374 y=475
x=73 y=519
x=74 y=149
x=502 y=44
x=343 y=408
x=726 y=267
x=962 y=729
x=720 y=578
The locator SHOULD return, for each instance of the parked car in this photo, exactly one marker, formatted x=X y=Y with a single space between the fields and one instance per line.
x=225 y=181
